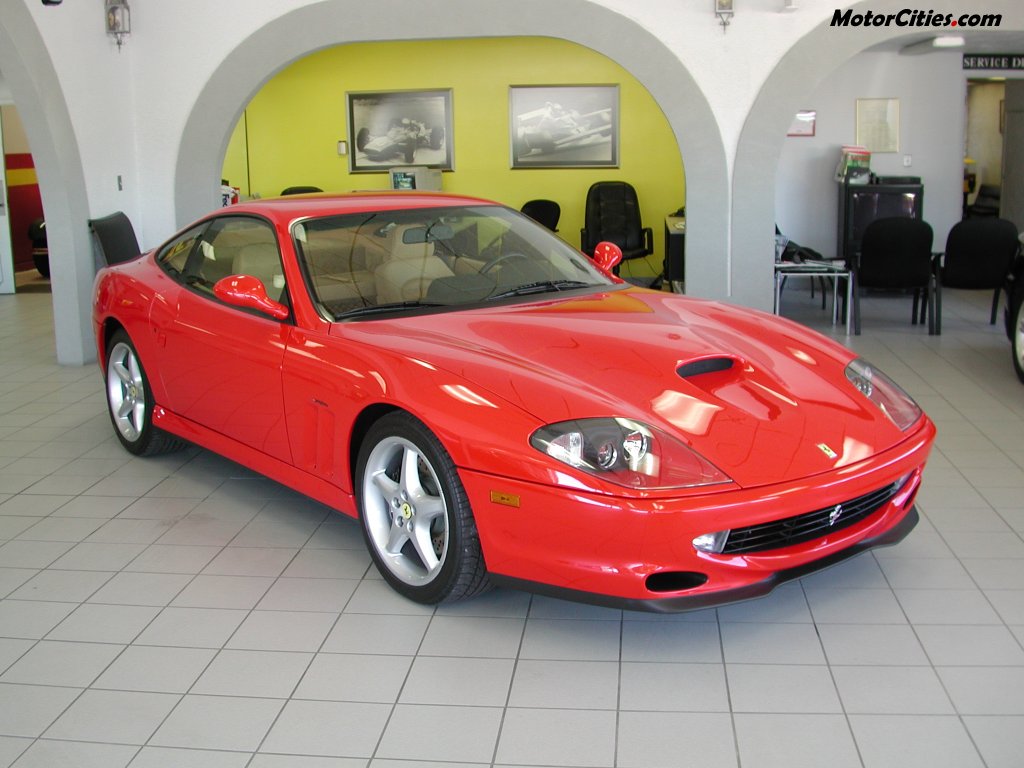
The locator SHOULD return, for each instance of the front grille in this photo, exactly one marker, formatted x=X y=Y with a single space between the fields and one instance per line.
x=808 y=526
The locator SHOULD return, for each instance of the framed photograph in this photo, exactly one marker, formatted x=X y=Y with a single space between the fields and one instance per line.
x=804 y=123
x=878 y=124
x=390 y=128
x=564 y=126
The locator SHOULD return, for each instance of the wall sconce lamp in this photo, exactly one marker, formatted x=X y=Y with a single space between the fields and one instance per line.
x=723 y=10
x=119 y=20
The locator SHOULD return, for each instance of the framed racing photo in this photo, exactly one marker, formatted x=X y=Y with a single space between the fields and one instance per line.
x=564 y=126
x=390 y=128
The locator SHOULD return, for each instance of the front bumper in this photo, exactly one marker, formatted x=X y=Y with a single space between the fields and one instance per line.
x=638 y=553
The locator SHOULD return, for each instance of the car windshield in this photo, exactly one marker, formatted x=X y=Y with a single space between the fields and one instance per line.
x=375 y=262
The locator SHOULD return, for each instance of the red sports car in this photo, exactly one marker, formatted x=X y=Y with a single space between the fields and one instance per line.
x=496 y=408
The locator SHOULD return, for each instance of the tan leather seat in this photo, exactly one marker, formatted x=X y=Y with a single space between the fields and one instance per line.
x=409 y=269
x=261 y=260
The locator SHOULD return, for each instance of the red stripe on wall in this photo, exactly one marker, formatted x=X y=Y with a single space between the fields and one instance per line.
x=18 y=161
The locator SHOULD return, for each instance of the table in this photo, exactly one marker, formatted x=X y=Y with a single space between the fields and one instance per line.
x=833 y=269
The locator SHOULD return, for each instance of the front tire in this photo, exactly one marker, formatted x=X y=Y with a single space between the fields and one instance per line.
x=415 y=515
x=130 y=402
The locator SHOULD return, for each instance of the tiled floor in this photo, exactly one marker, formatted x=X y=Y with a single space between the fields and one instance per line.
x=181 y=611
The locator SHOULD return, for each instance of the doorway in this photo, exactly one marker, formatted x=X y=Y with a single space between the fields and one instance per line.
x=983 y=144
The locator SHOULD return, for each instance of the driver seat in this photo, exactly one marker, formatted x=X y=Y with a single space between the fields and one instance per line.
x=409 y=269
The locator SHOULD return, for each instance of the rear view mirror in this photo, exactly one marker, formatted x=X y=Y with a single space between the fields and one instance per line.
x=607 y=256
x=427 y=234
x=249 y=293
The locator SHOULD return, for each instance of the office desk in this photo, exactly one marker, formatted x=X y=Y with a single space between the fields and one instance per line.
x=835 y=270
x=675 y=253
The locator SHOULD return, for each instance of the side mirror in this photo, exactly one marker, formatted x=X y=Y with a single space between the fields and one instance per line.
x=607 y=256
x=249 y=292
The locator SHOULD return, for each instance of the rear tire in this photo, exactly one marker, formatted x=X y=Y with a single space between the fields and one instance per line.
x=130 y=401
x=415 y=514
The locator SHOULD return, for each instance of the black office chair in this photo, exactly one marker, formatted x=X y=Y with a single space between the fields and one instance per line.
x=115 y=238
x=546 y=212
x=612 y=214
x=978 y=255
x=896 y=254
x=986 y=204
x=299 y=190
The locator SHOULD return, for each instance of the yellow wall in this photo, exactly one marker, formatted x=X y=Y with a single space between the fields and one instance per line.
x=289 y=132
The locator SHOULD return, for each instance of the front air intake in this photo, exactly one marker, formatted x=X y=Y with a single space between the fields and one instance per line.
x=675 y=581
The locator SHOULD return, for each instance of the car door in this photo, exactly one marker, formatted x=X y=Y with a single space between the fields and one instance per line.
x=221 y=365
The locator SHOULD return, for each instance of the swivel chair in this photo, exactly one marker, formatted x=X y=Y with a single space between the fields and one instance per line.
x=612 y=214
x=546 y=212
x=299 y=190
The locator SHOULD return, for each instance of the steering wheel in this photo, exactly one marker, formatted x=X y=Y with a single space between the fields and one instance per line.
x=511 y=255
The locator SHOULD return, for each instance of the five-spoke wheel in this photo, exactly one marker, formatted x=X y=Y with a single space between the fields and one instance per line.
x=416 y=517
x=129 y=401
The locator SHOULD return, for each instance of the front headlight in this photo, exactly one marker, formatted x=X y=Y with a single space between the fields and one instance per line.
x=885 y=393
x=627 y=453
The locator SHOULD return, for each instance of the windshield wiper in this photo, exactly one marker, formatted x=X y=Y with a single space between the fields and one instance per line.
x=380 y=309
x=542 y=286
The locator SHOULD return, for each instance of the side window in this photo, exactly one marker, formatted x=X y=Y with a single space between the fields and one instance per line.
x=174 y=256
x=236 y=245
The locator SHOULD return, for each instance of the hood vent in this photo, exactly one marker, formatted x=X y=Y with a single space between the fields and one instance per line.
x=705 y=365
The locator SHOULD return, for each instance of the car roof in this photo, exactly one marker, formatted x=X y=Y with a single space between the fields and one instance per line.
x=290 y=207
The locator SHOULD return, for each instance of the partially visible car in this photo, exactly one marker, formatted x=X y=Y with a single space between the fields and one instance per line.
x=1015 y=313
x=496 y=408
x=40 y=249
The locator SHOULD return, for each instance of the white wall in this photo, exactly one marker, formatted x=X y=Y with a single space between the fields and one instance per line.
x=931 y=90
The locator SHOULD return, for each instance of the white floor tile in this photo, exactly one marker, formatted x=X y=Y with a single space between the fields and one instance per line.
x=181 y=610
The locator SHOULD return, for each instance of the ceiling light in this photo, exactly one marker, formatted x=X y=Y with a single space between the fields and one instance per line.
x=933 y=44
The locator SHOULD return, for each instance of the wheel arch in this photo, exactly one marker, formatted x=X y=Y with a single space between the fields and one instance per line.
x=360 y=427
x=107 y=329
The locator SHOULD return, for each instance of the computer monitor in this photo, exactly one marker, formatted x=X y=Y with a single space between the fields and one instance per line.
x=415 y=177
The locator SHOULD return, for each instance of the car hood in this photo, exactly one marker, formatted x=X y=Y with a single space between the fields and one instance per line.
x=762 y=398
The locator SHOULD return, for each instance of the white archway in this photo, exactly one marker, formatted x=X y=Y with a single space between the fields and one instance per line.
x=33 y=81
x=804 y=66
x=322 y=25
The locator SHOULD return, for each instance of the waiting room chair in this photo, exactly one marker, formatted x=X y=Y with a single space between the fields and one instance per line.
x=978 y=255
x=115 y=238
x=612 y=214
x=546 y=212
x=896 y=254
x=986 y=204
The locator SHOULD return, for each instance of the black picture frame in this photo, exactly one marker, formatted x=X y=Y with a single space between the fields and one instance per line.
x=393 y=128
x=564 y=126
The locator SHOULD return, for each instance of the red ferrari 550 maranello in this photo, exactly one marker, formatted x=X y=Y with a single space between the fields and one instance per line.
x=497 y=408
